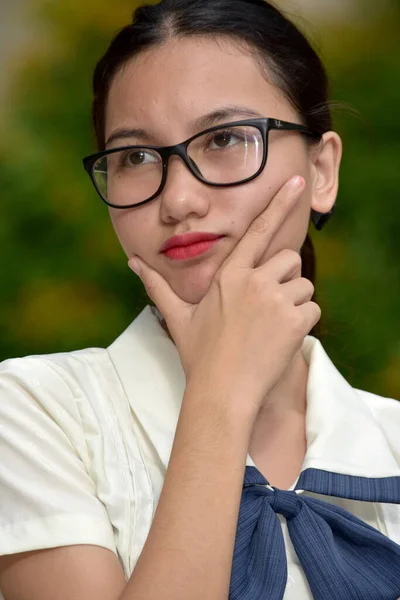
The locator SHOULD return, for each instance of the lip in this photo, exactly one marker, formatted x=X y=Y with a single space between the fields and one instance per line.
x=181 y=241
x=193 y=250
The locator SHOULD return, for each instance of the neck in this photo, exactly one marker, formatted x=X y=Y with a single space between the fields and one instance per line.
x=289 y=397
x=278 y=441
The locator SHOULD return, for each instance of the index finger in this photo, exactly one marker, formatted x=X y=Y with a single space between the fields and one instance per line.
x=258 y=236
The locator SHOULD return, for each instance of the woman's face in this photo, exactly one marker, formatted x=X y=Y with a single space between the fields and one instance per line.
x=163 y=91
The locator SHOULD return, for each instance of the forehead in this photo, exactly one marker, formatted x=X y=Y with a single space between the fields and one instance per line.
x=167 y=87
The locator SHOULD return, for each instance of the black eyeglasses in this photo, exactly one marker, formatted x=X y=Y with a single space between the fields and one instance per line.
x=221 y=156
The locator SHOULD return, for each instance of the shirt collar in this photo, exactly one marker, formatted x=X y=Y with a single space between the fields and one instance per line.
x=342 y=434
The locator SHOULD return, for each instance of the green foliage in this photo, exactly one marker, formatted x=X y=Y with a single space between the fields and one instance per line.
x=362 y=292
x=65 y=282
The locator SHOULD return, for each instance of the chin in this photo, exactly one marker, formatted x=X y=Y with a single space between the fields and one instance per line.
x=193 y=285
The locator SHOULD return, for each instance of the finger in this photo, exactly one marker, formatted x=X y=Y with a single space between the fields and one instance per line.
x=311 y=313
x=298 y=291
x=258 y=236
x=282 y=267
x=168 y=303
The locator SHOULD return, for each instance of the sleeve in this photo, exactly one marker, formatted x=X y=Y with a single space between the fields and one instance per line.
x=47 y=498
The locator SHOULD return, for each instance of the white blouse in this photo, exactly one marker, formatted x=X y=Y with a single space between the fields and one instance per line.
x=86 y=437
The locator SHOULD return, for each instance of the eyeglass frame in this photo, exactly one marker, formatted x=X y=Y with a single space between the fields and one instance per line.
x=264 y=125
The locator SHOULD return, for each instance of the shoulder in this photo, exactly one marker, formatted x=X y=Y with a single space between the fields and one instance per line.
x=55 y=390
x=49 y=372
x=381 y=406
x=51 y=465
x=386 y=412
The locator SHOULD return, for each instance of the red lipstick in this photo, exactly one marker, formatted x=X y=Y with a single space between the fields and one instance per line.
x=189 y=245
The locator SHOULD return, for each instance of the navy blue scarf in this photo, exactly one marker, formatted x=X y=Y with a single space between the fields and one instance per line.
x=342 y=557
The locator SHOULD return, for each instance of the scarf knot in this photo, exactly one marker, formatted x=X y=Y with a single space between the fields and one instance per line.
x=286 y=503
x=343 y=558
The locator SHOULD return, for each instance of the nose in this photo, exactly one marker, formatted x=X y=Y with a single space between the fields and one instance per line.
x=183 y=195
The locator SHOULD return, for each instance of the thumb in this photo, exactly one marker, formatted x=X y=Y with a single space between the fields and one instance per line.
x=168 y=303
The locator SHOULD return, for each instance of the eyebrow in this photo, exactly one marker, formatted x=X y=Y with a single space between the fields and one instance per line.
x=123 y=134
x=225 y=112
x=203 y=122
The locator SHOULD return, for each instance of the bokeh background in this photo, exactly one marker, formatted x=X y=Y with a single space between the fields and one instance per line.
x=65 y=283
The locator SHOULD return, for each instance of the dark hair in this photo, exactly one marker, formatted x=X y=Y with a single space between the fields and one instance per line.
x=283 y=52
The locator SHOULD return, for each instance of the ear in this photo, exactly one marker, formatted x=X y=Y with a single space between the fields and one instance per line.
x=326 y=158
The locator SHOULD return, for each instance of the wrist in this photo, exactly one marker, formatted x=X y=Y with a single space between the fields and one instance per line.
x=214 y=397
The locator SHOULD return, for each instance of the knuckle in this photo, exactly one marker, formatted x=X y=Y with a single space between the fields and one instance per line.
x=149 y=286
x=296 y=258
x=260 y=225
x=292 y=256
x=257 y=278
x=225 y=277
x=281 y=201
x=308 y=285
x=297 y=322
x=296 y=263
x=287 y=252
x=317 y=309
x=277 y=297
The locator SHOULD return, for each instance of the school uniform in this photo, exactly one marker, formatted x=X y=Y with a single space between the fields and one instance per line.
x=86 y=437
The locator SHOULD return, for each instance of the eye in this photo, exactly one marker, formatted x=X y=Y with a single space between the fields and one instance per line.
x=138 y=157
x=225 y=139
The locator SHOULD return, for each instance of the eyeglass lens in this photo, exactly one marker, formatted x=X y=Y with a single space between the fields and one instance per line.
x=226 y=155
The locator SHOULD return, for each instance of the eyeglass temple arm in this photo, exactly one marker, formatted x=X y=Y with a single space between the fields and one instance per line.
x=285 y=126
x=319 y=219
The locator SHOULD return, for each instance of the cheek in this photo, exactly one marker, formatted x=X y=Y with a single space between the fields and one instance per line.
x=131 y=230
x=244 y=203
x=284 y=161
x=294 y=229
x=249 y=203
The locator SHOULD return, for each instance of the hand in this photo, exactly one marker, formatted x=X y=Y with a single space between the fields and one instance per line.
x=251 y=322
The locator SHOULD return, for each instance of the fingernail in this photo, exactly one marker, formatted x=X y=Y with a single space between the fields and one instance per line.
x=297 y=182
x=134 y=265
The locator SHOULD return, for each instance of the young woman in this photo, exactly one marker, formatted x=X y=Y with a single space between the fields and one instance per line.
x=213 y=451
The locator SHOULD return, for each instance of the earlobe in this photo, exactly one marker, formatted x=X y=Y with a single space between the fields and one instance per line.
x=326 y=165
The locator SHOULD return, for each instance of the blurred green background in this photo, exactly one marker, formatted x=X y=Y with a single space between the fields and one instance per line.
x=65 y=283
